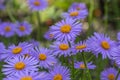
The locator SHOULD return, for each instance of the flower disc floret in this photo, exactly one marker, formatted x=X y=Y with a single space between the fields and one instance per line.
x=19 y=65
x=75 y=13
x=16 y=50
x=26 y=78
x=58 y=77
x=65 y=28
x=105 y=45
x=63 y=46
x=42 y=57
x=7 y=29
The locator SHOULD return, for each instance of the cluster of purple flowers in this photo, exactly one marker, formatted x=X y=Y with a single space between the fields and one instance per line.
x=31 y=61
x=8 y=29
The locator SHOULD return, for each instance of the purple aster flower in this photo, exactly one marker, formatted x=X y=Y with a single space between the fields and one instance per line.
x=19 y=64
x=48 y=35
x=23 y=28
x=116 y=55
x=101 y=43
x=20 y=49
x=37 y=5
x=75 y=14
x=81 y=65
x=61 y=48
x=2 y=6
x=2 y=50
x=66 y=30
x=7 y=29
x=78 y=6
x=109 y=74
x=43 y=55
x=27 y=76
x=34 y=43
x=59 y=73
x=80 y=47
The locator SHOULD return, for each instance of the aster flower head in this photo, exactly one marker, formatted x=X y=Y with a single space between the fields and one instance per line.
x=20 y=49
x=2 y=50
x=78 y=6
x=48 y=35
x=81 y=65
x=37 y=5
x=109 y=74
x=23 y=28
x=27 y=76
x=44 y=56
x=59 y=73
x=75 y=14
x=66 y=30
x=116 y=55
x=101 y=43
x=2 y=6
x=80 y=47
x=20 y=64
x=34 y=43
x=61 y=49
x=7 y=29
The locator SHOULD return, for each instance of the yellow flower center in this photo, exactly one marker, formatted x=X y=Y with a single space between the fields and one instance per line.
x=37 y=3
x=16 y=50
x=105 y=45
x=82 y=66
x=42 y=57
x=111 y=77
x=19 y=65
x=26 y=78
x=58 y=77
x=22 y=28
x=63 y=46
x=65 y=28
x=75 y=13
x=79 y=47
x=7 y=28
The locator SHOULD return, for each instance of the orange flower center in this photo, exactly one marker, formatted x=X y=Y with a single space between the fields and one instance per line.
x=42 y=57
x=7 y=28
x=63 y=46
x=75 y=13
x=26 y=78
x=22 y=28
x=79 y=47
x=16 y=50
x=82 y=66
x=58 y=77
x=105 y=45
x=37 y=3
x=65 y=28
x=19 y=65
x=111 y=77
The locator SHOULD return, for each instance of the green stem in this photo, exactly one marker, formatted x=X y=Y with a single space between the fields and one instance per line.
x=73 y=68
x=91 y=11
x=87 y=70
x=117 y=74
x=39 y=24
x=106 y=15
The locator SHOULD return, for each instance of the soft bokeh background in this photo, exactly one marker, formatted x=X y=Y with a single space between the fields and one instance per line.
x=104 y=16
